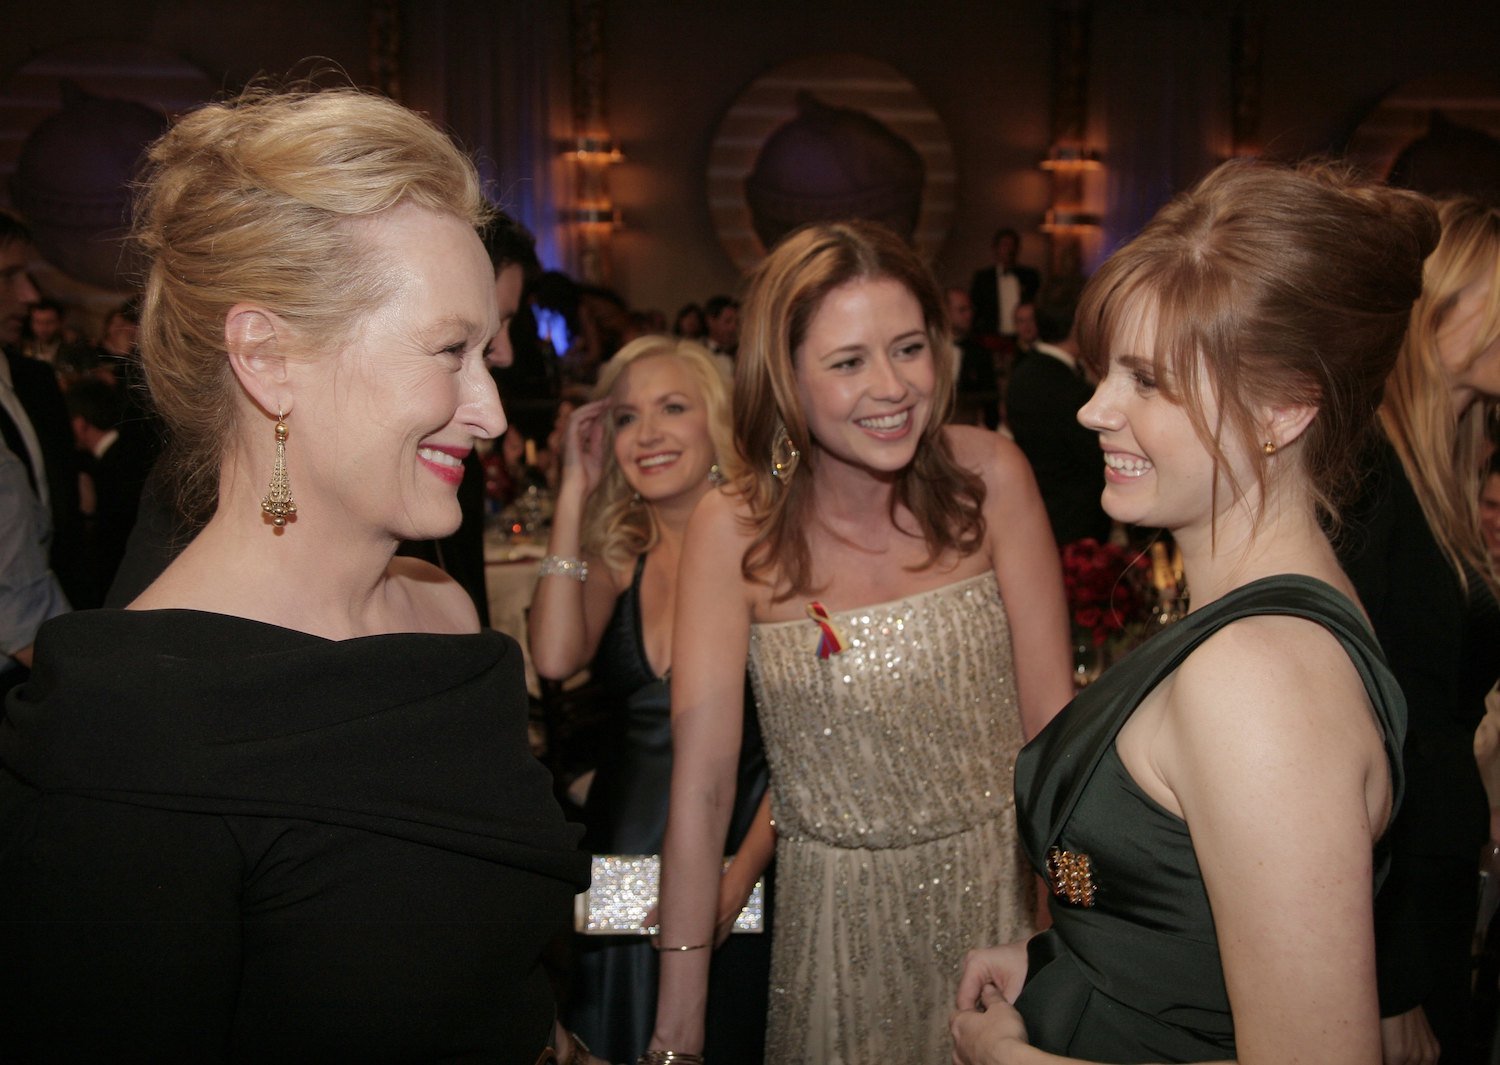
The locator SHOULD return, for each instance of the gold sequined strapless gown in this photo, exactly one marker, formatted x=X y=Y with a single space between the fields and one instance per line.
x=891 y=767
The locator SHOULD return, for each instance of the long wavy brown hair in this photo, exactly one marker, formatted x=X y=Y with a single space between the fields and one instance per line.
x=785 y=293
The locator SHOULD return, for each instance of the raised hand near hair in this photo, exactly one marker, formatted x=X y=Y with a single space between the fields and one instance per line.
x=585 y=446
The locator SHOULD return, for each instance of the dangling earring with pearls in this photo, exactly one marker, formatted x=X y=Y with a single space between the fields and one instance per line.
x=278 y=502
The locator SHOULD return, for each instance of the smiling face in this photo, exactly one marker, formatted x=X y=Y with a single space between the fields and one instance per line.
x=387 y=422
x=1157 y=470
x=659 y=419
x=865 y=375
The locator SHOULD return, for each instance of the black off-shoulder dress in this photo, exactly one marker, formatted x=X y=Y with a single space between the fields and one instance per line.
x=224 y=841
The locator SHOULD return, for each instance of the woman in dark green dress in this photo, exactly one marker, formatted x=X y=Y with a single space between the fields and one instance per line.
x=1208 y=815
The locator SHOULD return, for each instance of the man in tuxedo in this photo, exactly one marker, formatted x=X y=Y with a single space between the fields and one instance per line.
x=998 y=290
x=29 y=594
x=978 y=391
x=117 y=455
x=1047 y=388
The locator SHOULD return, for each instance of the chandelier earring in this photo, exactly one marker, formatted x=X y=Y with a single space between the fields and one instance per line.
x=716 y=476
x=784 y=455
x=278 y=503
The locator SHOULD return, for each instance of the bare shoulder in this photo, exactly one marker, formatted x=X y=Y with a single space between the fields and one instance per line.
x=1271 y=678
x=723 y=520
x=431 y=600
x=993 y=456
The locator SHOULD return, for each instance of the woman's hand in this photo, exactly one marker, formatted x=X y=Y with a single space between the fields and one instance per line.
x=569 y=1050
x=733 y=894
x=992 y=1034
x=1407 y=1039
x=585 y=451
x=1002 y=969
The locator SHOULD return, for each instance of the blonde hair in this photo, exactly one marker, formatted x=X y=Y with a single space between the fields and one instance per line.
x=785 y=294
x=254 y=200
x=1279 y=286
x=1443 y=454
x=616 y=528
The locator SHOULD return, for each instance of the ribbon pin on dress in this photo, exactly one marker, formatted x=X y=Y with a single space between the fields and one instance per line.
x=830 y=641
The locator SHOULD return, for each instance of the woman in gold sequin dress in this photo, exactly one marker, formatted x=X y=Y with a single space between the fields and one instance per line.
x=862 y=566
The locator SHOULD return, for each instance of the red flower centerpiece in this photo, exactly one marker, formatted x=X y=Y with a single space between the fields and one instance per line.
x=1107 y=601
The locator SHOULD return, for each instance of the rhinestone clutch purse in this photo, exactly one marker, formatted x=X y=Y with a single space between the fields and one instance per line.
x=625 y=887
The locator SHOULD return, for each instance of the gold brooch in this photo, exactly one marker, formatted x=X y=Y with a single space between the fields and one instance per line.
x=1070 y=876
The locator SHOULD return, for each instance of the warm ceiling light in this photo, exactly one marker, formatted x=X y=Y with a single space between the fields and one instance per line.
x=1065 y=221
x=1071 y=157
x=593 y=150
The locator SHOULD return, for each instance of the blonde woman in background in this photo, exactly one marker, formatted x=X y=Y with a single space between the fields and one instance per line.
x=1416 y=554
x=635 y=461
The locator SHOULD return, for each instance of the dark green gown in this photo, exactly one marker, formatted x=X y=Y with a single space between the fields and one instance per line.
x=1131 y=973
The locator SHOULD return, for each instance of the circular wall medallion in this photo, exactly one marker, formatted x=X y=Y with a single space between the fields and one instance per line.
x=1438 y=135
x=73 y=124
x=823 y=137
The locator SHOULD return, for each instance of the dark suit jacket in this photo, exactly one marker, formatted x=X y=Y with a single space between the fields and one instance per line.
x=984 y=294
x=1041 y=407
x=36 y=387
x=119 y=477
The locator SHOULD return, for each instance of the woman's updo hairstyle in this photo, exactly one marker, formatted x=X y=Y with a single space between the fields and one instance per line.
x=1284 y=286
x=257 y=200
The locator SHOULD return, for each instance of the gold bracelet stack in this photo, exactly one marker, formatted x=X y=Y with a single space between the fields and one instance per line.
x=668 y=1057
x=576 y=568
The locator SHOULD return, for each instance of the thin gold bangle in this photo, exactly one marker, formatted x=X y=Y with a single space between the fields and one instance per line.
x=695 y=946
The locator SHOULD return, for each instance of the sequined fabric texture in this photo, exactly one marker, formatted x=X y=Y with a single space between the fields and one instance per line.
x=891 y=766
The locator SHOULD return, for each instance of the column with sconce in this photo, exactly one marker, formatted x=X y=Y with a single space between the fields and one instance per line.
x=1073 y=222
x=591 y=217
x=1247 y=33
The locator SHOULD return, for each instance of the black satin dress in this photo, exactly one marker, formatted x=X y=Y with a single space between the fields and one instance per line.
x=226 y=841
x=614 y=996
x=1133 y=974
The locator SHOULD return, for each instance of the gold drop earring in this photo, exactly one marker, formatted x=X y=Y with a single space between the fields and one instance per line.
x=278 y=502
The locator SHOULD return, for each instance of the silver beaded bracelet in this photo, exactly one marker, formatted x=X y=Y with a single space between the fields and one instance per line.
x=556 y=565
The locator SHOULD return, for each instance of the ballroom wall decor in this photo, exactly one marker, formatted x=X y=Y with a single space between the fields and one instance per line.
x=1439 y=135
x=73 y=123
x=829 y=136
